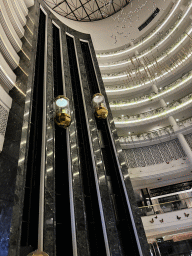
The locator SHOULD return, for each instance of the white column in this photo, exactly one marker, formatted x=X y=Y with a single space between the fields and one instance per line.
x=181 y=139
x=162 y=103
x=154 y=88
x=185 y=146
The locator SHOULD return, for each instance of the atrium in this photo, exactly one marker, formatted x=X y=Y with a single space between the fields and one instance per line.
x=110 y=184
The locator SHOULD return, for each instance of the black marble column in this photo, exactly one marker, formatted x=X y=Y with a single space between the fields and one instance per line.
x=109 y=218
x=122 y=162
x=20 y=129
x=78 y=197
x=49 y=241
x=14 y=171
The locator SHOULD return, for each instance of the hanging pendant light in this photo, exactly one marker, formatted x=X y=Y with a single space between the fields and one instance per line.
x=99 y=106
x=62 y=111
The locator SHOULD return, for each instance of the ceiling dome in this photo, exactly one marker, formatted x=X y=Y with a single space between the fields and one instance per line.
x=86 y=10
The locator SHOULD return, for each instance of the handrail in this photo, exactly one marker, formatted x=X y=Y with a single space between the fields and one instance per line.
x=165 y=210
x=155 y=112
x=148 y=97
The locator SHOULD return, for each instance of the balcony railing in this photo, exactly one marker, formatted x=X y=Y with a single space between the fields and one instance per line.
x=155 y=134
x=155 y=112
x=145 y=39
x=171 y=206
x=149 y=97
x=152 y=46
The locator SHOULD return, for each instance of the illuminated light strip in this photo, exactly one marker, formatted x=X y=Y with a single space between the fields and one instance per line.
x=31 y=19
x=23 y=70
x=29 y=29
x=130 y=49
x=171 y=194
x=155 y=96
x=13 y=82
x=148 y=82
x=27 y=40
x=158 y=115
x=25 y=54
x=140 y=56
x=165 y=55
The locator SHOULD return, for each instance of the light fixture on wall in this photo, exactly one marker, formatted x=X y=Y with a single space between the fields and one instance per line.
x=37 y=253
x=62 y=113
x=99 y=106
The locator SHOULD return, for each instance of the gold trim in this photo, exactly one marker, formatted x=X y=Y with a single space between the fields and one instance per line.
x=63 y=120
x=97 y=94
x=61 y=96
x=37 y=253
x=101 y=113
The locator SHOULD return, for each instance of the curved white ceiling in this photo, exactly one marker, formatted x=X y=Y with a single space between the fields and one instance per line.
x=120 y=29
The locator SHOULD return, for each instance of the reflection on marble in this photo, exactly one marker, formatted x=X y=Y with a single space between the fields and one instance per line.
x=49 y=239
x=121 y=159
x=19 y=132
x=100 y=178
x=5 y=223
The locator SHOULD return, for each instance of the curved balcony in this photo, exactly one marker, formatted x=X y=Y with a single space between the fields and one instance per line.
x=7 y=50
x=13 y=18
x=19 y=12
x=9 y=30
x=146 y=39
x=156 y=134
x=154 y=115
x=153 y=47
x=136 y=85
x=154 y=68
x=150 y=135
x=23 y=7
x=165 y=91
x=7 y=76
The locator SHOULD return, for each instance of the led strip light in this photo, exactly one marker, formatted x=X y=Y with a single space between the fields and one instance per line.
x=155 y=96
x=158 y=60
x=134 y=47
x=155 y=116
x=152 y=80
x=161 y=42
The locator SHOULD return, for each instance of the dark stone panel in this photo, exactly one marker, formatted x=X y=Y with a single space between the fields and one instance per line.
x=121 y=158
x=108 y=213
x=8 y=171
x=5 y=223
x=21 y=104
x=13 y=136
x=78 y=197
x=49 y=206
x=17 y=109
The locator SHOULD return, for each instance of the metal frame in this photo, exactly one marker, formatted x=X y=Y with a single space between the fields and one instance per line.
x=103 y=12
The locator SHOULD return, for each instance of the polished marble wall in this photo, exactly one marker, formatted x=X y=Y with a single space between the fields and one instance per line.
x=14 y=157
